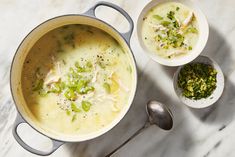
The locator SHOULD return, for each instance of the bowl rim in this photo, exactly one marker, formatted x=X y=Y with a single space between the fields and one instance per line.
x=200 y=45
x=204 y=102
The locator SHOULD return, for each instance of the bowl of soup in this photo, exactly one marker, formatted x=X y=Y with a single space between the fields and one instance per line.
x=73 y=78
x=172 y=33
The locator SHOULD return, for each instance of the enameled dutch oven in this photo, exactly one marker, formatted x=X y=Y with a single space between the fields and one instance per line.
x=24 y=115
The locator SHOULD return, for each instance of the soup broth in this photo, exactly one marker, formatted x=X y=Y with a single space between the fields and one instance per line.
x=76 y=79
x=170 y=30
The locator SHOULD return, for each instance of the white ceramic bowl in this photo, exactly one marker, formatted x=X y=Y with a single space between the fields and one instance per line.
x=203 y=34
x=205 y=102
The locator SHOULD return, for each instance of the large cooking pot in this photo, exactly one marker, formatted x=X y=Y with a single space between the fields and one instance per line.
x=24 y=114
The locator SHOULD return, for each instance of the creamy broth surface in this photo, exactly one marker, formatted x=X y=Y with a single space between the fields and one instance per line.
x=76 y=79
x=170 y=30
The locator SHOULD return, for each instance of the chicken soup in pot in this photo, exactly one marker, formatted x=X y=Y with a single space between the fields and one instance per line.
x=76 y=79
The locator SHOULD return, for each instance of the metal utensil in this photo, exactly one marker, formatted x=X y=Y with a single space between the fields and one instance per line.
x=158 y=114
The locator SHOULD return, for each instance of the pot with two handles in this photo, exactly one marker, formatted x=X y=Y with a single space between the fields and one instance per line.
x=24 y=115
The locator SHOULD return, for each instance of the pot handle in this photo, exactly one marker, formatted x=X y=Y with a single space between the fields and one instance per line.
x=126 y=35
x=55 y=144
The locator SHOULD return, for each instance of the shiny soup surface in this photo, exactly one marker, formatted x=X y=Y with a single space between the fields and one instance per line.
x=170 y=30
x=76 y=79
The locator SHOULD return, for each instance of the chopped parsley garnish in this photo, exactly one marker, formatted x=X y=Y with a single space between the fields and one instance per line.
x=197 y=80
x=171 y=15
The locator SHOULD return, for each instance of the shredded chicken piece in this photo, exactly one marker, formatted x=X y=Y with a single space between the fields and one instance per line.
x=58 y=67
x=111 y=98
x=120 y=83
x=123 y=86
x=115 y=108
x=54 y=75
x=178 y=21
x=95 y=75
x=103 y=96
x=158 y=27
x=180 y=31
x=188 y=20
x=110 y=75
x=51 y=77
x=175 y=52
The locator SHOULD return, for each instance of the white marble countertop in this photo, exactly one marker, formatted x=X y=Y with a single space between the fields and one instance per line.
x=196 y=133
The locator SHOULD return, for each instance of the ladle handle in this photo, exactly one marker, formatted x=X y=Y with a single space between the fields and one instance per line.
x=55 y=144
x=130 y=138
x=126 y=35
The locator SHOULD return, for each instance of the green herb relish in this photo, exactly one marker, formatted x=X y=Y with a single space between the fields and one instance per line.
x=197 y=80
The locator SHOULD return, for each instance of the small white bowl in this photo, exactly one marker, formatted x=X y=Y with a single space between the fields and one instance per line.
x=204 y=102
x=203 y=34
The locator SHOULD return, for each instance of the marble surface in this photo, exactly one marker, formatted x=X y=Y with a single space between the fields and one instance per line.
x=196 y=133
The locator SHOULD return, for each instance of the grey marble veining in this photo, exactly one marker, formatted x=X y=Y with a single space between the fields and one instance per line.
x=196 y=133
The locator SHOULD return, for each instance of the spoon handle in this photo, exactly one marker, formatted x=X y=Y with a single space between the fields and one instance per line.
x=130 y=138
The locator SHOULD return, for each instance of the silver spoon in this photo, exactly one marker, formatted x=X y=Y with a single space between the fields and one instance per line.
x=158 y=114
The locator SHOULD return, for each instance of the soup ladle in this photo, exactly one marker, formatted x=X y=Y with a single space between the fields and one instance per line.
x=158 y=114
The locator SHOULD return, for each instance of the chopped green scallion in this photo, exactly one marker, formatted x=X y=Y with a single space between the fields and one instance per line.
x=74 y=107
x=107 y=87
x=74 y=118
x=86 y=105
x=70 y=94
x=158 y=17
